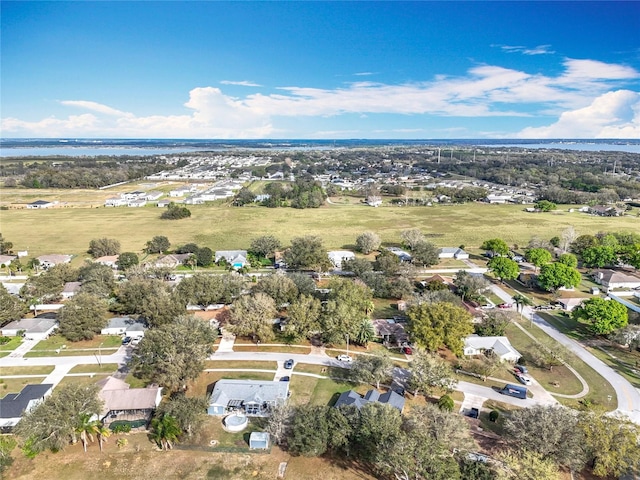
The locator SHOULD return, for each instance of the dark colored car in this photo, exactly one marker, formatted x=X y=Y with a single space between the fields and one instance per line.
x=288 y=364
x=284 y=379
x=473 y=413
x=126 y=340
x=399 y=391
x=521 y=369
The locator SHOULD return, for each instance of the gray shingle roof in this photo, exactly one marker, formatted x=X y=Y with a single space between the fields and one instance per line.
x=13 y=405
x=353 y=398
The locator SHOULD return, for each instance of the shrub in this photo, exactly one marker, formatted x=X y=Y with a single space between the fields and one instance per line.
x=445 y=402
x=175 y=212
x=121 y=428
x=4 y=340
x=493 y=415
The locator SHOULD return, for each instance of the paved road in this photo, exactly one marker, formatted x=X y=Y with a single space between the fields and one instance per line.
x=628 y=395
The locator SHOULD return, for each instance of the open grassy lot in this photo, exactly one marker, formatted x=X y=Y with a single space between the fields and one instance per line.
x=229 y=364
x=32 y=370
x=469 y=224
x=58 y=341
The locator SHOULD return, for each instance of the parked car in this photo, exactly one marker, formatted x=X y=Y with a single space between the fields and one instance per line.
x=288 y=364
x=521 y=369
x=284 y=379
x=505 y=305
x=399 y=391
x=523 y=379
x=126 y=340
x=473 y=413
x=407 y=350
x=344 y=358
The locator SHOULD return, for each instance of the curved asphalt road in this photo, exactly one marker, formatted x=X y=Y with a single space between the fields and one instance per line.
x=628 y=395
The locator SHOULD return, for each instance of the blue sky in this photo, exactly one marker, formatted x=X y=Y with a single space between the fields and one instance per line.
x=320 y=70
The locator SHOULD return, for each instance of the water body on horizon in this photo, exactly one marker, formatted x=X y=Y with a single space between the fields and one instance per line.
x=150 y=147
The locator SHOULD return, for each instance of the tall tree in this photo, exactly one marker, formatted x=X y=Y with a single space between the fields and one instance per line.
x=86 y=429
x=436 y=324
x=555 y=275
x=189 y=412
x=611 y=443
x=309 y=431
x=53 y=423
x=496 y=246
x=368 y=242
x=303 y=317
x=252 y=315
x=307 y=253
x=6 y=247
x=347 y=305
x=127 y=260
x=504 y=268
x=429 y=372
x=265 y=246
x=550 y=431
x=173 y=354
x=525 y=465
x=365 y=333
x=97 y=279
x=412 y=237
x=424 y=254
x=470 y=287
x=494 y=324
x=82 y=316
x=101 y=247
x=599 y=256
x=603 y=316
x=279 y=287
x=538 y=256
x=11 y=308
x=372 y=369
x=158 y=244
x=569 y=259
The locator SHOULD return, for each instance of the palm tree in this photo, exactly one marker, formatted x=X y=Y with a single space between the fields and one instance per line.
x=165 y=431
x=87 y=428
x=521 y=302
x=365 y=333
x=102 y=433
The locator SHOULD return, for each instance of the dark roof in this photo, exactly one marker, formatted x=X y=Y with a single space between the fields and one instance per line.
x=353 y=398
x=13 y=405
x=40 y=202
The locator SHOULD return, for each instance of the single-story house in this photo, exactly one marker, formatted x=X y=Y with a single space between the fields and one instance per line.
x=259 y=441
x=7 y=259
x=181 y=191
x=153 y=195
x=48 y=261
x=453 y=252
x=352 y=397
x=338 y=256
x=14 y=405
x=70 y=289
x=40 y=204
x=235 y=258
x=137 y=203
x=569 y=304
x=108 y=260
x=401 y=254
x=606 y=211
x=164 y=203
x=389 y=329
x=252 y=397
x=611 y=279
x=122 y=403
x=476 y=345
x=494 y=198
x=38 y=328
x=13 y=288
x=172 y=260
x=124 y=326
x=134 y=195
x=115 y=202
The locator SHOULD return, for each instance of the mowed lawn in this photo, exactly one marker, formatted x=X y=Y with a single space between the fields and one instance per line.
x=69 y=230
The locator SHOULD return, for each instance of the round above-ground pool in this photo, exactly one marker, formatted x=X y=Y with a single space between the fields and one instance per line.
x=235 y=422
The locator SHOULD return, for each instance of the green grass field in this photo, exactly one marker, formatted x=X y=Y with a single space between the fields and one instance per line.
x=69 y=230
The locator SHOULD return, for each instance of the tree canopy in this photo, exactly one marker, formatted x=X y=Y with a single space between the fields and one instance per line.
x=368 y=242
x=252 y=316
x=307 y=253
x=82 y=316
x=496 y=246
x=602 y=316
x=101 y=247
x=437 y=324
x=555 y=275
x=504 y=268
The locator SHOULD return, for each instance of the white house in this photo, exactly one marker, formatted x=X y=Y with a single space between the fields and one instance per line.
x=140 y=202
x=153 y=195
x=235 y=258
x=108 y=260
x=453 y=252
x=163 y=203
x=48 y=261
x=180 y=191
x=124 y=326
x=38 y=204
x=401 y=254
x=338 y=256
x=569 y=304
x=70 y=289
x=115 y=202
x=33 y=328
x=611 y=279
x=475 y=345
x=493 y=198
x=5 y=260
x=252 y=397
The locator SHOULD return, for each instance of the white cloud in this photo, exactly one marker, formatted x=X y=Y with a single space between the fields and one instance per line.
x=539 y=50
x=243 y=83
x=485 y=91
x=612 y=115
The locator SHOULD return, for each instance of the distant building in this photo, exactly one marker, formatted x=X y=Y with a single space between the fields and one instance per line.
x=338 y=256
x=39 y=204
x=235 y=258
x=453 y=252
x=48 y=261
x=352 y=397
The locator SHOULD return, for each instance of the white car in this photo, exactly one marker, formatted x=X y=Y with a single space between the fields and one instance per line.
x=523 y=379
x=136 y=341
x=344 y=358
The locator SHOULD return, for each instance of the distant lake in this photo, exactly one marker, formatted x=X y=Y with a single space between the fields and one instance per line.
x=584 y=147
x=92 y=151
